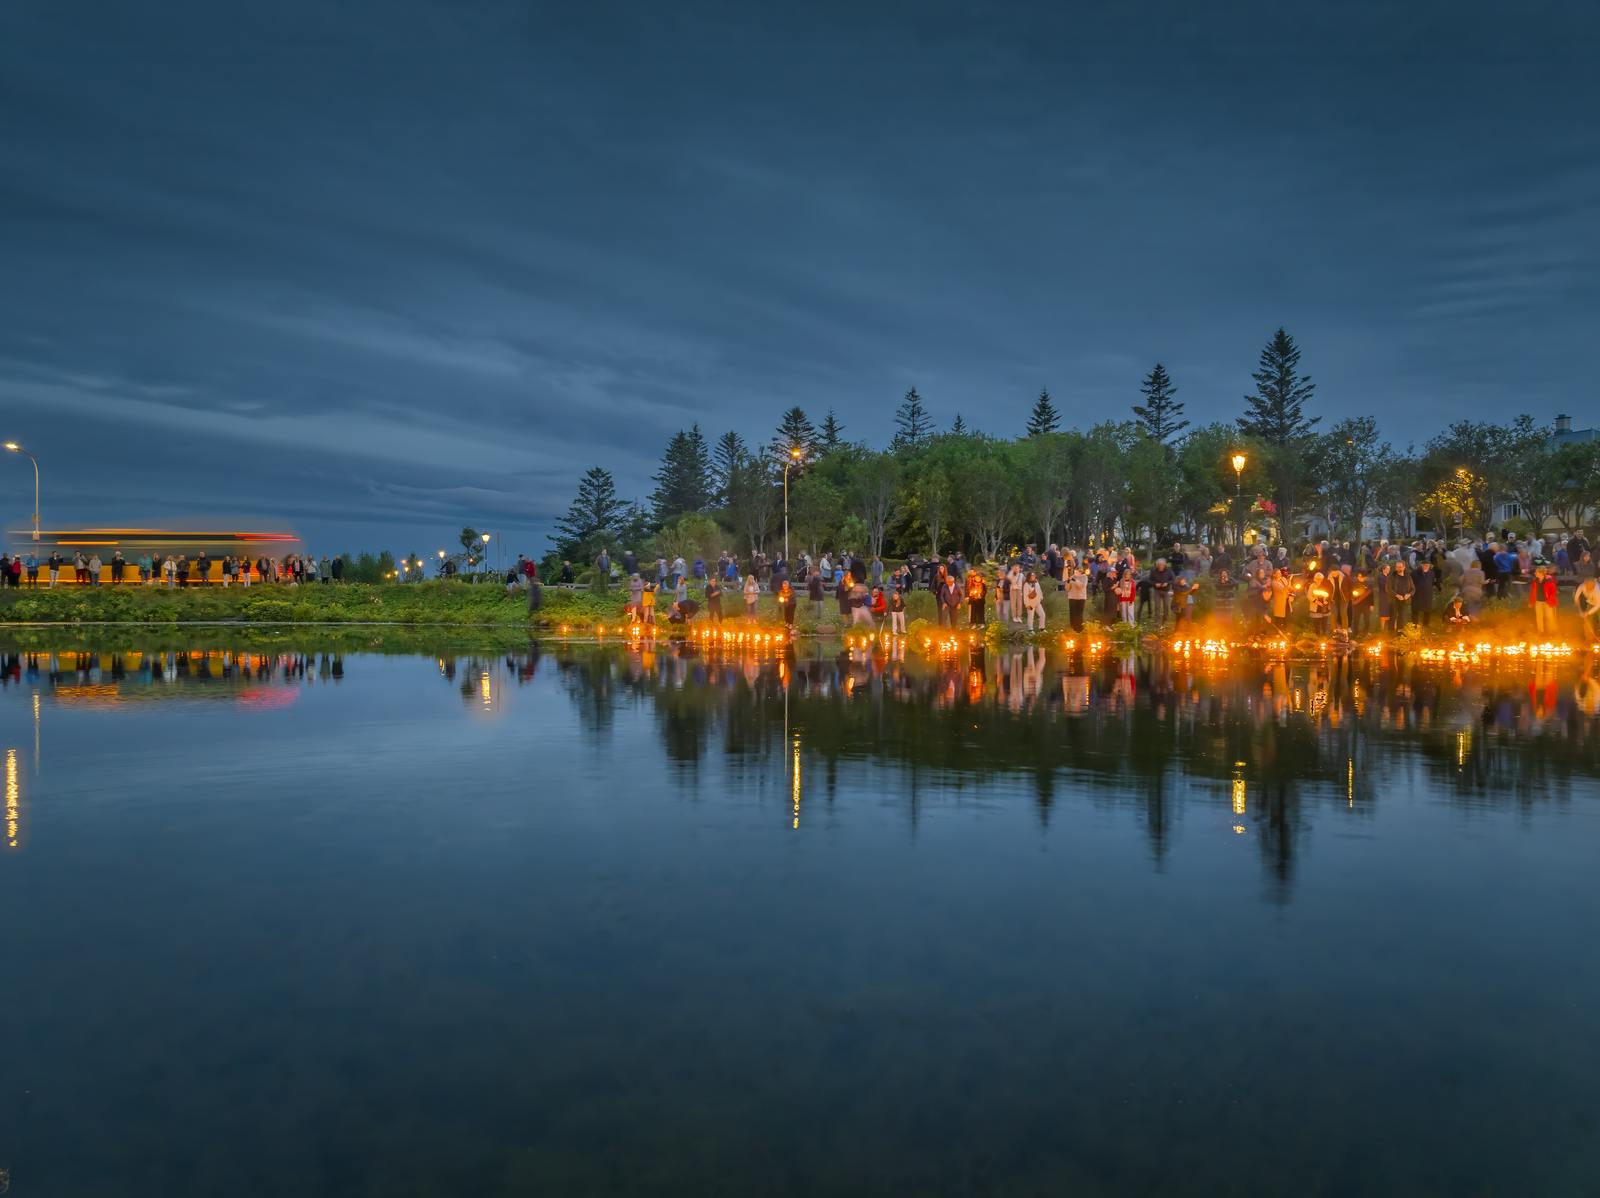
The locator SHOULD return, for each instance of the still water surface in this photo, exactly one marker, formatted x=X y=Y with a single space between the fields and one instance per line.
x=598 y=921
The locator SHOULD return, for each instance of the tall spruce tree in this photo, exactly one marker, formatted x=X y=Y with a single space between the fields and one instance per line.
x=1276 y=411
x=795 y=431
x=1160 y=416
x=725 y=459
x=683 y=483
x=958 y=427
x=912 y=423
x=594 y=515
x=832 y=432
x=1275 y=415
x=1044 y=418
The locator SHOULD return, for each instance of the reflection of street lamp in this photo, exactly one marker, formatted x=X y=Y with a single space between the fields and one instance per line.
x=795 y=453
x=15 y=448
x=1238 y=486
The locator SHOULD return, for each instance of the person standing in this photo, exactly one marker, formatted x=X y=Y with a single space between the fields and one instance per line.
x=1077 y=596
x=1033 y=601
x=1127 y=591
x=33 y=570
x=145 y=566
x=1319 y=602
x=55 y=560
x=814 y=592
x=860 y=602
x=338 y=567
x=1280 y=590
x=1586 y=598
x=1160 y=580
x=752 y=594
x=117 y=567
x=602 y=573
x=95 y=566
x=950 y=598
x=1423 y=579
x=976 y=590
x=1542 y=596
x=897 y=611
x=636 y=596
x=714 y=600
x=1402 y=589
x=786 y=603
x=202 y=568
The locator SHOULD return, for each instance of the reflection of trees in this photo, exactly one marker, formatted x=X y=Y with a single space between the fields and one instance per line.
x=1158 y=733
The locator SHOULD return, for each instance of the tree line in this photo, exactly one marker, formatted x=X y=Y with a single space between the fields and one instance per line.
x=1147 y=479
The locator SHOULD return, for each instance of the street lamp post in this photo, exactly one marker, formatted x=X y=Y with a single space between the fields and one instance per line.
x=794 y=458
x=485 y=568
x=1238 y=487
x=13 y=447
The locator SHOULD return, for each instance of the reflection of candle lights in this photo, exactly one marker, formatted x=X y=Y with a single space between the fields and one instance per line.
x=1238 y=796
x=794 y=783
x=13 y=799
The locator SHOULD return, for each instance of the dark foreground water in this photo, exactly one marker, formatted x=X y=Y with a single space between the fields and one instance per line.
x=606 y=922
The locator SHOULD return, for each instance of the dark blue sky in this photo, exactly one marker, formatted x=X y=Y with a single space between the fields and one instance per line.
x=375 y=270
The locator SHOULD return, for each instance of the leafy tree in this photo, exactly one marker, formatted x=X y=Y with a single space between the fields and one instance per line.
x=912 y=423
x=1462 y=471
x=1209 y=490
x=816 y=509
x=877 y=482
x=832 y=433
x=1161 y=415
x=1100 y=484
x=729 y=453
x=754 y=501
x=931 y=499
x=1395 y=492
x=1352 y=459
x=795 y=431
x=473 y=548
x=1579 y=492
x=1151 y=490
x=989 y=494
x=683 y=484
x=1044 y=418
x=595 y=516
x=689 y=536
x=1046 y=488
x=1534 y=473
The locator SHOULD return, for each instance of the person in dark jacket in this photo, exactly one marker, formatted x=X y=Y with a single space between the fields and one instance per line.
x=1402 y=589
x=1424 y=580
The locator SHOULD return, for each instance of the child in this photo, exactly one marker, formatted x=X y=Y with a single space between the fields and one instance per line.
x=897 y=612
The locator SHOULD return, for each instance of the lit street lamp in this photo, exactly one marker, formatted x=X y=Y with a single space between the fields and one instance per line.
x=795 y=453
x=13 y=447
x=1238 y=485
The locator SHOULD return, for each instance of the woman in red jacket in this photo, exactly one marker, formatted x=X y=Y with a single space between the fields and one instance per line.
x=1542 y=596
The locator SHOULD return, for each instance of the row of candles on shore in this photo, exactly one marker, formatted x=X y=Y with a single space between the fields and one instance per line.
x=730 y=637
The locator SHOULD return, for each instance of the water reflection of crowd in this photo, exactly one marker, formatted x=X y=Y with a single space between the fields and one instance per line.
x=1268 y=741
x=69 y=668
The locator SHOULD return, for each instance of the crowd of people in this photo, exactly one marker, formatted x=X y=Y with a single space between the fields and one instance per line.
x=1336 y=589
x=174 y=570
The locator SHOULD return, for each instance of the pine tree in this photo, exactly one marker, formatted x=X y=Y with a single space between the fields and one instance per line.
x=683 y=483
x=595 y=514
x=913 y=425
x=730 y=452
x=958 y=427
x=795 y=431
x=832 y=432
x=1160 y=416
x=1044 y=418
x=1276 y=412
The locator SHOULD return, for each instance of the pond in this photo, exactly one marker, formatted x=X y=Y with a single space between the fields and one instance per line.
x=578 y=919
